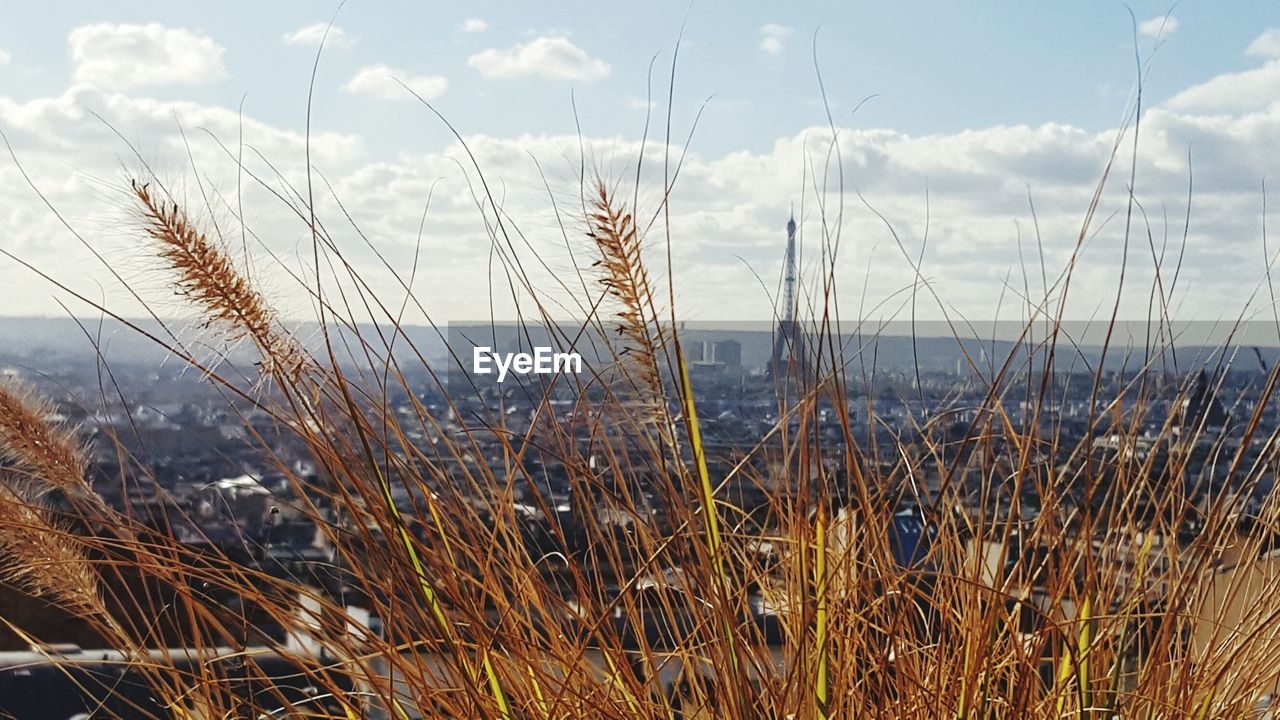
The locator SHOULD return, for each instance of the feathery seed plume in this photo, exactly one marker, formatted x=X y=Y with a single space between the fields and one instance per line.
x=44 y=559
x=207 y=276
x=45 y=453
x=625 y=278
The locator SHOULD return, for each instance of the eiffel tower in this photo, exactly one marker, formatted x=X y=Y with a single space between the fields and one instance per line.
x=788 y=356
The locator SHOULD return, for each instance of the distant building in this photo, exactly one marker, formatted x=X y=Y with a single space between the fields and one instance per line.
x=728 y=352
x=717 y=358
x=1201 y=409
x=707 y=352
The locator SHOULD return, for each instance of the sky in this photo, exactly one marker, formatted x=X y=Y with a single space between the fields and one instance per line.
x=942 y=125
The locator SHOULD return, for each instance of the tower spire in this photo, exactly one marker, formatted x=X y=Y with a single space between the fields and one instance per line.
x=789 y=273
x=787 y=343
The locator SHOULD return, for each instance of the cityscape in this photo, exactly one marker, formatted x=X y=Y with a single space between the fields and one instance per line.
x=184 y=461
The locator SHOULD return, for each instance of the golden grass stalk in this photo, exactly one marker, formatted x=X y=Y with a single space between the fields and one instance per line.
x=710 y=511
x=207 y=277
x=48 y=455
x=432 y=599
x=613 y=231
x=44 y=559
x=206 y=274
x=821 y=681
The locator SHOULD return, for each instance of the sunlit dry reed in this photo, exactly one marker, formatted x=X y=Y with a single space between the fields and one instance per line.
x=47 y=453
x=206 y=276
x=626 y=280
x=44 y=558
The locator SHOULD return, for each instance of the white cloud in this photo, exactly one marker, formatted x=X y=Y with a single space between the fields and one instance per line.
x=772 y=37
x=1266 y=45
x=4 y=57
x=384 y=82
x=1159 y=27
x=554 y=58
x=311 y=35
x=474 y=25
x=1249 y=90
x=75 y=159
x=120 y=57
x=726 y=206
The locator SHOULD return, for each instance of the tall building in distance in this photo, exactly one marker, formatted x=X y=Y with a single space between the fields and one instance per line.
x=719 y=358
x=728 y=353
x=788 y=342
x=721 y=352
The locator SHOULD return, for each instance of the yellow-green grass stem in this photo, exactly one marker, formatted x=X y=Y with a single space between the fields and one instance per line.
x=710 y=512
